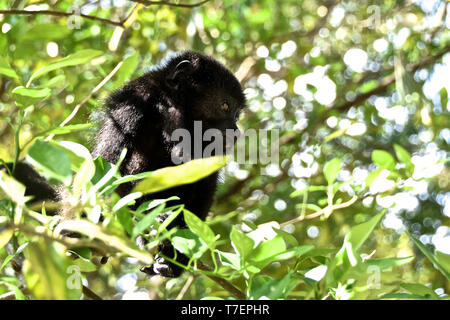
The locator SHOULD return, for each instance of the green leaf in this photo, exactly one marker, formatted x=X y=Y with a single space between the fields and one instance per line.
x=6 y=70
x=127 y=69
x=291 y=253
x=84 y=264
x=443 y=259
x=124 y=217
x=200 y=228
x=5 y=236
x=47 y=31
x=189 y=172
x=383 y=159
x=12 y=188
x=80 y=57
x=419 y=289
x=52 y=160
x=77 y=153
x=188 y=243
x=147 y=221
x=403 y=156
x=55 y=82
x=289 y=238
x=268 y=250
x=230 y=259
x=102 y=167
x=242 y=244
x=388 y=263
x=25 y=97
x=402 y=296
x=444 y=97
x=170 y=218
x=49 y=274
x=127 y=200
x=372 y=176
x=331 y=170
x=147 y=205
x=358 y=234
x=9 y=257
x=429 y=255
x=347 y=256
x=69 y=128
x=265 y=286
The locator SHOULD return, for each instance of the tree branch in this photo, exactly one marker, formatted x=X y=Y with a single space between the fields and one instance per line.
x=90 y=294
x=172 y=4
x=60 y=14
x=186 y=287
x=326 y=210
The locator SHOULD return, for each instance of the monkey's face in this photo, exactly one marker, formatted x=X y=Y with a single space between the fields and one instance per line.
x=209 y=96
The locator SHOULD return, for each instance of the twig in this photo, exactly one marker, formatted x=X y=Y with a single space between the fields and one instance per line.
x=90 y=294
x=327 y=209
x=8 y=296
x=61 y=14
x=102 y=246
x=185 y=288
x=85 y=100
x=172 y=4
x=135 y=8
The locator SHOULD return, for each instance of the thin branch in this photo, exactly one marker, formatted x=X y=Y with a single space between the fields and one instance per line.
x=61 y=14
x=172 y=4
x=85 y=100
x=8 y=296
x=134 y=10
x=90 y=294
x=186 y=287
x=326 y=210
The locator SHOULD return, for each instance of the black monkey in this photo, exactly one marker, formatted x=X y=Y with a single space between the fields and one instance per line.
x=142 y=115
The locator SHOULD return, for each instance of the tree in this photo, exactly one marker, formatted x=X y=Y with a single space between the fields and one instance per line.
x=357 y=207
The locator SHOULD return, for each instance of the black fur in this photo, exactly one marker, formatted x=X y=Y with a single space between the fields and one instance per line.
x=35 y=184
x=142 y=115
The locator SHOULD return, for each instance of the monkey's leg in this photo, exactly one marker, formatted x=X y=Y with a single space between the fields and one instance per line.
x=161 y=266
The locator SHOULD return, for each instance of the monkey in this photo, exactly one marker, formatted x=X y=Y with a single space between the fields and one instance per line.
x=142 y=116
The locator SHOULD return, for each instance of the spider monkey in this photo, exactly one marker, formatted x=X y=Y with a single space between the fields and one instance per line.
x=142 y=116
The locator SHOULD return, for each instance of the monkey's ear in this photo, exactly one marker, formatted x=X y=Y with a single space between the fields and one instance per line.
x=181 y=71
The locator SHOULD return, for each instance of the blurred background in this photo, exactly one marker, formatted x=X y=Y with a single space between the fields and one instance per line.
x=336 y=78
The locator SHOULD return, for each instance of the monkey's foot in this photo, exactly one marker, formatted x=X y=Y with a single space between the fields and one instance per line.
x=163 y=268
x=163 y=216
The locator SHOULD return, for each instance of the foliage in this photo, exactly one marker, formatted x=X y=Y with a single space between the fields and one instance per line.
x=356 y=208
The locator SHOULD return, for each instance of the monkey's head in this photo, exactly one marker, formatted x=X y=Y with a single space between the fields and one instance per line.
x=207 y=91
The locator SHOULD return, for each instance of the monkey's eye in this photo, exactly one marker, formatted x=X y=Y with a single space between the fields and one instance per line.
x=225 y=106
